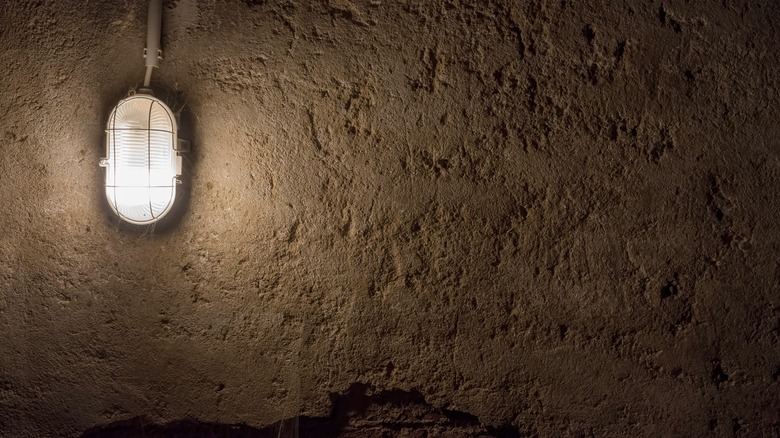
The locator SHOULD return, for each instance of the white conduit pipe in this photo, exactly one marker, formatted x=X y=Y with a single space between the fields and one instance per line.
x=153 y=27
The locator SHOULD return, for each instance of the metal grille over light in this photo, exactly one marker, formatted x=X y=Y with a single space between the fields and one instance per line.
x=142 y=163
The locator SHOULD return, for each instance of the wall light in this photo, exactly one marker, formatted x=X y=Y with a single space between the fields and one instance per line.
x=142 y=165
x=142 y=161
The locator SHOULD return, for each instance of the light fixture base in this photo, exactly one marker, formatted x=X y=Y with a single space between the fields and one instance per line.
x=182 y=145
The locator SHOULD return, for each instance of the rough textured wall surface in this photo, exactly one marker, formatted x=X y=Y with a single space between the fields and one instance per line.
x=545 y=218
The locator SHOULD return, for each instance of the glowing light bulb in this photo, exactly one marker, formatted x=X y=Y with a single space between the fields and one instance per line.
x=142 y=163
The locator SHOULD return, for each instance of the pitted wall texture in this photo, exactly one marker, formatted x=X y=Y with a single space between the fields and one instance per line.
x=554 y=218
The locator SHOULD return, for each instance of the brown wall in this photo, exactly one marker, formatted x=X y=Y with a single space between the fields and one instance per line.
x=554 y=217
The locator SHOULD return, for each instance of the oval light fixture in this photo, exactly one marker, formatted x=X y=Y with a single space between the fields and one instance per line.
x=142 y=163
x=142 y=160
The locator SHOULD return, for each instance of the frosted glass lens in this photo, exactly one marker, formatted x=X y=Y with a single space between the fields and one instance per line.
x=141 y=159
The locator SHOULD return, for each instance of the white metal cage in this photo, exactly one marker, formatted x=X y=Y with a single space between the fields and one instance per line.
x=142 y=163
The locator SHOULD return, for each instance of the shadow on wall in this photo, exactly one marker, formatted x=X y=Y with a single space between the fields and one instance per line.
x=186 y=123
x=355 y=413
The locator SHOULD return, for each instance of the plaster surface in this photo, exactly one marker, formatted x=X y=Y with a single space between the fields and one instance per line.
x=504 y=218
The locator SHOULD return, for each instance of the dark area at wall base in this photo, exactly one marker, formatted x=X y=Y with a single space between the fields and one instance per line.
x=357 y=412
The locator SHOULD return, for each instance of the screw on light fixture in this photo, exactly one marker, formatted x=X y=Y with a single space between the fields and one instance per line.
x=143 y=162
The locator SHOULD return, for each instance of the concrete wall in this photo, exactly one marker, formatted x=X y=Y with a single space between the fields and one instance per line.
x=547 y=217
